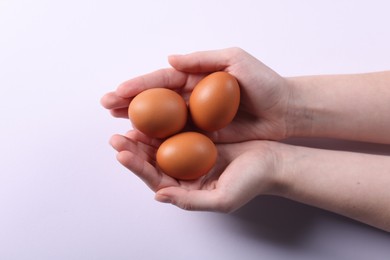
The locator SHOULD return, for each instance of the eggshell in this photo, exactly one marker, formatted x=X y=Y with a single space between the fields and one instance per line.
x=214 y=101
x=158 y=112
x=187 y=155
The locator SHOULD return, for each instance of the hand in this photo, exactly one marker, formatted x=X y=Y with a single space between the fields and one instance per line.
x=264 y=94
x=243 y=171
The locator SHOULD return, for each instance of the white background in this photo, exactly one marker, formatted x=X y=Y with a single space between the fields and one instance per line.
x=62 y=193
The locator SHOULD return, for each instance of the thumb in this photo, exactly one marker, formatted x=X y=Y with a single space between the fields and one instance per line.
x=203 y=61
x=195 y=200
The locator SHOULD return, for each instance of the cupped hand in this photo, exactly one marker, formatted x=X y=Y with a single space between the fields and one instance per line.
x=264 y=94
x=242 y=171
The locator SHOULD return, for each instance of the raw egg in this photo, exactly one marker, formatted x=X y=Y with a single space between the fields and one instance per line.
x=158 y=112
x=187 y=155
x=214 y=101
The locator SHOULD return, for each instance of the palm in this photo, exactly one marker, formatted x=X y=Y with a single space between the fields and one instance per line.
x=253 y=121
x=235 y=162
x=139 y=155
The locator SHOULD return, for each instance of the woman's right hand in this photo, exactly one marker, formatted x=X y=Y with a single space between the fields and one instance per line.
x=242 y=171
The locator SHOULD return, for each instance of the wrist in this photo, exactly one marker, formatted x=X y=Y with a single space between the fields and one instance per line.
x=299 y=117
x=281 y=168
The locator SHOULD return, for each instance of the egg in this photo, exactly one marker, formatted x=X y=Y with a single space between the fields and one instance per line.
x=186 y=156
x=214 y=101
x=158 y=112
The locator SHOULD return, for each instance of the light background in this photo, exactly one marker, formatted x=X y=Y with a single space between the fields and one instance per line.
x=62 y=193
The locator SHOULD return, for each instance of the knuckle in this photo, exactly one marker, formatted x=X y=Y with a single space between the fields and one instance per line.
x=185 y=205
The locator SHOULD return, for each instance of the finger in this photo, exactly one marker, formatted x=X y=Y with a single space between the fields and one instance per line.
x=203 y=61
x=164 y=78
x=121 y=143
x=194 y=200
x=138 y=136
x=144 y=170
x=148 y=173
x=120 y=112
x=112 y=101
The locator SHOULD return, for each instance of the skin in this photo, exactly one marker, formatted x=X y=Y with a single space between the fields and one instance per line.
x=354 y=107
x=355 y=185
x=220 y=190
x=264 y=95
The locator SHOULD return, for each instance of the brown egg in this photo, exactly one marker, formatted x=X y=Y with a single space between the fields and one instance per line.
x=214 y=101
x=187 y=155
x=158 y=112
